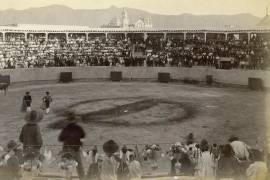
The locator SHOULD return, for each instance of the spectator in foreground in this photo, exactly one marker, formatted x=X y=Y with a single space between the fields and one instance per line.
x=10 y=163
x=180 y=160
x=30 y=134
x=123 y=170
x=94 y=169
x=110 y=161
x=227 y=164
x=152 y=153
x=175 y=155
x=68 y=165
x=241 y=153
x=241 y=149
x=71 y=136
x=206 y=164
x=135 y=169
x=258 y=169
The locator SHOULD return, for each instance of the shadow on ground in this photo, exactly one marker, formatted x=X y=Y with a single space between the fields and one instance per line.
x=118 y=115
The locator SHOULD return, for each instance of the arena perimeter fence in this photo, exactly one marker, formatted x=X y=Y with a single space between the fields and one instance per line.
x=230 y=77
x=52 y=157
x=49 y=166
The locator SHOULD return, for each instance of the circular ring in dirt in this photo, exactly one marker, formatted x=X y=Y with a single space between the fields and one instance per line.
x=128 y=111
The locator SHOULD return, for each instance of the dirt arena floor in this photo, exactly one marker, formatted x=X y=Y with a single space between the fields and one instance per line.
x=142 y=112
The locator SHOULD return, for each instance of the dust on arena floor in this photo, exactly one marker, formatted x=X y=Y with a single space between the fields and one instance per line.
x=142 y=112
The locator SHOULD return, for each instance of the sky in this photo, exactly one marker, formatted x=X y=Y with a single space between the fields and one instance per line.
x=171 y=7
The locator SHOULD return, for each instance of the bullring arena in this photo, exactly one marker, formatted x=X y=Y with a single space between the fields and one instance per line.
x=140 y=110
x=216 y=84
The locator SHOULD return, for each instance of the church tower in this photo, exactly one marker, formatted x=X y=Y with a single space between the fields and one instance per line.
x=125 y=20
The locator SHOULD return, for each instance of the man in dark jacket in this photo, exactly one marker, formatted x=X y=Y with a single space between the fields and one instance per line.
x=71 y=137
x=30 y=134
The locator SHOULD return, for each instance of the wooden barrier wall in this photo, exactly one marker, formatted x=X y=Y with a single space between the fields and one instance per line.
x=234 y=76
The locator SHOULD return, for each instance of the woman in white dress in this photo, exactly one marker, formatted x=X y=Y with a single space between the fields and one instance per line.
x=206 y=163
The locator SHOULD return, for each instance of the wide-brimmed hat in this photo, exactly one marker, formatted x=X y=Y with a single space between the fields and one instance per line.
x=204 y=146
x=11 y=145
x=70 y=116
x=33 y=117
x=110 y=147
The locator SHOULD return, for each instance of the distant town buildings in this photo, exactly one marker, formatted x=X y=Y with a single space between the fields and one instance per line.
x=124 y=22
x=144 y=23
x=115 y=22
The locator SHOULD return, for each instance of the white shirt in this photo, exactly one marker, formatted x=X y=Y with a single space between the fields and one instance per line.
x=206 y=165
x=240 y=149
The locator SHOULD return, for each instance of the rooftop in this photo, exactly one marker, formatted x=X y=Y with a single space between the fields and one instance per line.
x=65 y=28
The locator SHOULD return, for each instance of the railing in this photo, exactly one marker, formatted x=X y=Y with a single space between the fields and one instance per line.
x=48 y=166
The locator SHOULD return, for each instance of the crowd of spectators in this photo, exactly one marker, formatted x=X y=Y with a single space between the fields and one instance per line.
x=189 y=157
x=16 y=52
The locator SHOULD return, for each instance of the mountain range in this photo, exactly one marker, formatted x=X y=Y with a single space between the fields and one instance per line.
x=63 y=15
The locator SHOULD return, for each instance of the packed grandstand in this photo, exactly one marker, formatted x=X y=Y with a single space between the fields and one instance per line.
x=51 y=46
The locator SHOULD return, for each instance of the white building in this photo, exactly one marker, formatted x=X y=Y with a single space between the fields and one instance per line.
x=144 y=23
x=124 y=22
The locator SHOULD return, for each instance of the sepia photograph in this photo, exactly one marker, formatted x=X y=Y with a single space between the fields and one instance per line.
x=134 y=89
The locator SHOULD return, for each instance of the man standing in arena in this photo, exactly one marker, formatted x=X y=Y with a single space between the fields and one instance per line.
x=27 y=100
x=71 y=137
x=47 y=101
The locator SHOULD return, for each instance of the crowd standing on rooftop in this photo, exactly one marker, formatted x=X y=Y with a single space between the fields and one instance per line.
x=16 y=52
